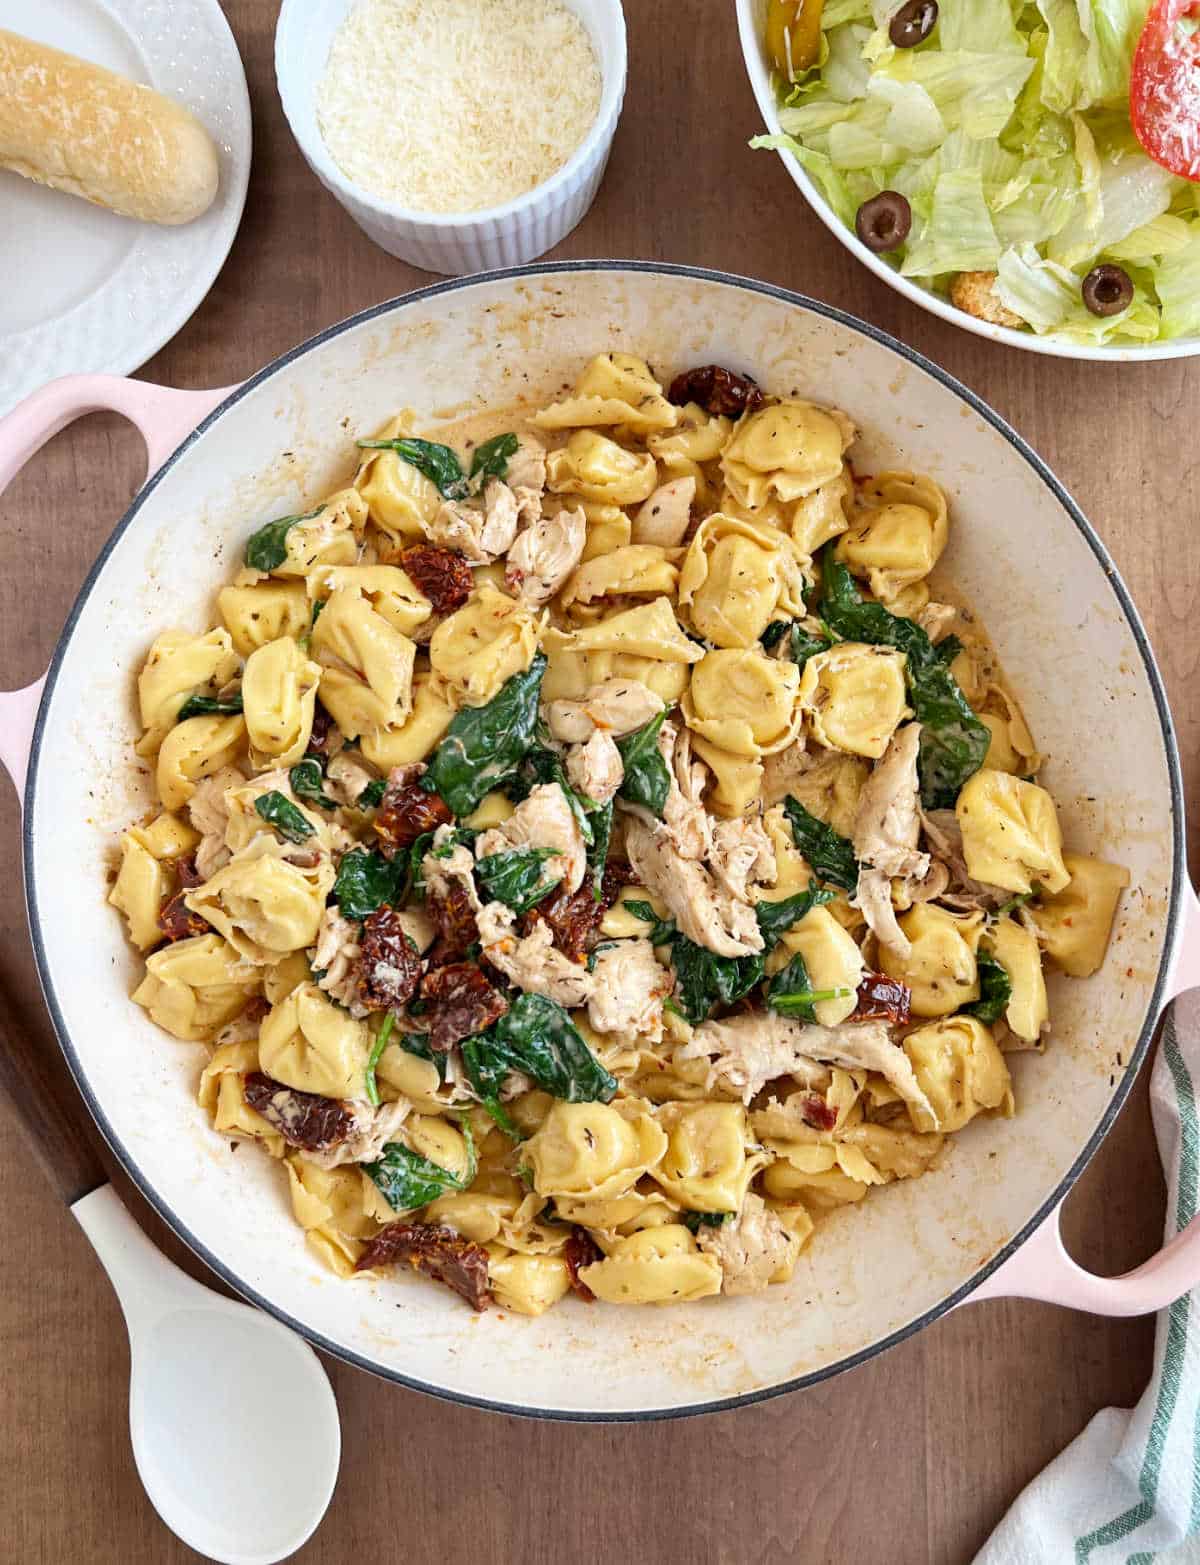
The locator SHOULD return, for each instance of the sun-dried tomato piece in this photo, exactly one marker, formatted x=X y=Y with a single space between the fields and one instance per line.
x=437 y=1251
x=303 y=1119
x=882 y=999
x=407 y=812
x=186 y=872
x=325 y=732
x=442 y=575
x=389 y=964
x=816 y=1112
x=579 y=1251
x=461 y=1003
x=449 y=906
x=717 y=390
x=178 y=922
x=574 y=918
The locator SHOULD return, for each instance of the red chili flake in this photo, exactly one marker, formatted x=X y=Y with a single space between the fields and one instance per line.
x=303 y=1119
x=816 y=1112
x=882 y=999
x=449 y=906
x=579 y=1251
x=717 y=390
x=178 y=922
x=461 y=1002
x=407 y=812
x=324 y=731
x=186 y=872
x=442 y=575
x=389 y=964
x=437 y=1251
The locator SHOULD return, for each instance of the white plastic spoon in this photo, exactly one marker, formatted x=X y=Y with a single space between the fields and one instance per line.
x=234 y=1426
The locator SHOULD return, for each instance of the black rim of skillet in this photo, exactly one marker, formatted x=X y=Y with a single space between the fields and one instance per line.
x=1134 y=1060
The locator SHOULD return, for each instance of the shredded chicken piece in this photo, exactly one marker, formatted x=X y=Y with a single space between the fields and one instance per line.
x=208 y=811
x=617 y=706
x=373 y=1129
x=526 y=477
x=532 y=963
x=545 y=555
x=480 y=530
x=664 y=518
x=964 y=895
x=336 y=959
x=781 y=771
x=751 y=1248
x=345 y=778
x=703 y=912
x=595 y=769
x=935 y=619
x=742 y=858
x=544 y=820
x=887 y=829
x=748 y=1051
x=687 y=822
x=628 y=986
x=440 y=874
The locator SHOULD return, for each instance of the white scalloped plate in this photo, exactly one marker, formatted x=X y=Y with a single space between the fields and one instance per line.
x=85 y=290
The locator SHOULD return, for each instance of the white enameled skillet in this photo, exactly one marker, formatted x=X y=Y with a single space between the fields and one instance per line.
x=984 y=1224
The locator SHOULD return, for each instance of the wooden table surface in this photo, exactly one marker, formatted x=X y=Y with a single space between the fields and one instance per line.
x=914 y=1456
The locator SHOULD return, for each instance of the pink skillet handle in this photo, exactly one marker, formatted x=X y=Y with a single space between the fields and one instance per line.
x=1042 y=1269
x=164 y=417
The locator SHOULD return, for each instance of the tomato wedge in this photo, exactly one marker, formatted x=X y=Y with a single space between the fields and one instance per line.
x=1164 y=87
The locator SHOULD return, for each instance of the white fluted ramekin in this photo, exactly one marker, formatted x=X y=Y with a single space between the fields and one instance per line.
x=507 y=235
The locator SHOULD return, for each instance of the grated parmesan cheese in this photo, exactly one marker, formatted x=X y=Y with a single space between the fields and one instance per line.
x=459 y=104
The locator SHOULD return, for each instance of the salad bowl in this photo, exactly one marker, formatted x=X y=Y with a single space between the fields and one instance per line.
x=1037 y=285
x=984 y=1222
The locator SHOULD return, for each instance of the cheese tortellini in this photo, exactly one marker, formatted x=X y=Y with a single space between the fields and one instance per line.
x=551 y=876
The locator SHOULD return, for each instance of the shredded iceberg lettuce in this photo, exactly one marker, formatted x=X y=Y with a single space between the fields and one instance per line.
x=1008 y=132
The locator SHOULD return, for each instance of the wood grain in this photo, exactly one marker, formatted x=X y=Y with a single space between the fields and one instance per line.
x=914 y=1456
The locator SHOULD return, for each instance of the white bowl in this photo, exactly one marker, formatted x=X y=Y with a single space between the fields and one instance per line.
x=751 y=15
x=453 y=242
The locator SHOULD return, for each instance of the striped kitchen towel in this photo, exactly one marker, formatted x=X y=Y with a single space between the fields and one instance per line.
x=1127 y=1490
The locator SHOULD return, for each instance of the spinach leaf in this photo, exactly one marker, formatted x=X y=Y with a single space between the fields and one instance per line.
x=279 y=811
x=803 y=644
x=704 y=979
x=306 y=778
x=515 y=877
x=698 y=1220
x=774 y=633
x=208 y=706
x=418 y=1043
x=995 y=989
x=647 y=780
x=486 y=1069
x=365 y=881
x=828 y=853
x=663 y=931
x=407 y=1180
x=948 y=649
x=776 y=918
x=491 y=458
x=790 y=992
x=485 y=744
x=377 y=1048
x=954 y=741
x=372 y=794
x=601 y=822
x=437 y=462
x=1021 y=898
x=535 y=1035
x=267 y=548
